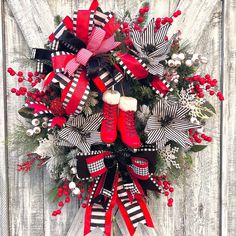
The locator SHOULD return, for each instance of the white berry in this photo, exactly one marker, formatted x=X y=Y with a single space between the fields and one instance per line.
x=44 y=125
x=203 y=60
x=181 y=56
x=76 y=191
x=73 y=170
x=177 y=63
x=29 y=132
x=72 y=185
x=189 y=63
x=174 y=56
x=35 y=122
x=37 y=130
x=171 y=63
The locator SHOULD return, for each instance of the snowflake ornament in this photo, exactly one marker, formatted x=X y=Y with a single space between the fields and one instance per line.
x=167 y=153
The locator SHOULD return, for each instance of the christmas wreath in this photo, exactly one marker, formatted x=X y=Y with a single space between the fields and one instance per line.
x=113 y=106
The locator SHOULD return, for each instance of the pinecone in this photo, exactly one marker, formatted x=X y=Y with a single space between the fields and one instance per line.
x=57 y=108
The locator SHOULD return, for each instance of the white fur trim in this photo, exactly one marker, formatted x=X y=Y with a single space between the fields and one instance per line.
x=111 y=97
x=128 y=104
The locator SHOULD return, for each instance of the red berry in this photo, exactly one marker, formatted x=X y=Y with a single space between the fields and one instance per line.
x=36 y=73
x=60 y=204
x=13 y=90
x=84 y=205
x=166 y=194
x=209 y=139
x=33 y=84
x=9 y=70
x=221 y=98
x=125 y=25
x=198 y=140
x=159 y=183
x=67 y=199
x=201 y=95
x=170 y=20
x=79 y=196
x=18 y=93
x=169 y=204
x=208 y=87
x=38 y=99
x=136 y=27
x=20 y=73
x=54 y=213
x=58 y=212
x=140 y=19
x=30 y=74
x=60 y=190
x=30 y=79
x=141 y=11
x=212 y=92
x=146 y=9
x=171 y=200
x=20 y=79
x=60 y=194
x=219 y=94
x=202 y=81
x=45 y=97
x=66 y=193
x=171 y=190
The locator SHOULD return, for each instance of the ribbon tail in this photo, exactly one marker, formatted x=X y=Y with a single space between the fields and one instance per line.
x=132 y=213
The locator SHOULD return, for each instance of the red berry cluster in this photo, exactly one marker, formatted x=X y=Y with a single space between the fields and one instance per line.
x=142 y=11
x=168 y=189
x=36 y=96
x=198 y=138
x=32 y=78
x=62 y=191
x=165 y=20
x=65 y=192
x=205 y=84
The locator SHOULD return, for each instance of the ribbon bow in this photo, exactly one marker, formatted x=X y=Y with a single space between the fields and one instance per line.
x=81 y=132
x=121 y=179
x=77 y=55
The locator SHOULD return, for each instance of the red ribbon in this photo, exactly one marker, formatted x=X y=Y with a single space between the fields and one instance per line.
x=133 y=208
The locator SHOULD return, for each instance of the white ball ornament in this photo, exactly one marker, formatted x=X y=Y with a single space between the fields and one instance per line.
x=203 y=60
x=174 y=56
x=44 y=125
x=35 y=122
x=29 y=132
x=72 y=185
x=37 y=130
x=76 y=191
x=177 y=63
x=181 y=56
x=73 y=170
x=188 y=63
x=171 y=63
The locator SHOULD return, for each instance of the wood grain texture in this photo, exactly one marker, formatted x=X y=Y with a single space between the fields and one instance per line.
x=197 y=205
x=4 y=203
x=228 y=116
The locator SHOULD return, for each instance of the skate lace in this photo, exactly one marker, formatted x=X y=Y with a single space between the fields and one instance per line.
x=109 y=114
x=129 y=125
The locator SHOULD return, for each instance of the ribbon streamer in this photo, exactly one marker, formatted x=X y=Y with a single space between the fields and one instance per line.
x=119 y=179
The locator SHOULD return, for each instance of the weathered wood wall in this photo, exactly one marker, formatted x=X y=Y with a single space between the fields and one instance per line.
x=205 y=202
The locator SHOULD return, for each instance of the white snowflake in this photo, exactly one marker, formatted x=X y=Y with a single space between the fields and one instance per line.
x=47 y=147
x=167 y=153
x=143 y=113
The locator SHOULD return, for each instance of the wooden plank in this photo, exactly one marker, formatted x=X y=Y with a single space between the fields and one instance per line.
x=4 y=194
x=228 y=195
x=196 y=207
x=26 y=191
x=34 y=19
